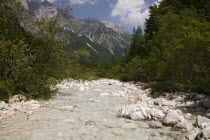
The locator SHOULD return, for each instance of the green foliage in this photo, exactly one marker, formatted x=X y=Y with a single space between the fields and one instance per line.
x=31 y=62
x=173 y=54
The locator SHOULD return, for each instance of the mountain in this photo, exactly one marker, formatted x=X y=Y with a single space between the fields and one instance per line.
x=102 y=39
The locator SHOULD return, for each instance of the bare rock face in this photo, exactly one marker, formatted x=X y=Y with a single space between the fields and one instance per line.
x=112 y=37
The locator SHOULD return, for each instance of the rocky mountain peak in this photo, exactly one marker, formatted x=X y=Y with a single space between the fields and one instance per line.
x=44 y=9
x=112 y=37
x=90 y=20
x=46 y=3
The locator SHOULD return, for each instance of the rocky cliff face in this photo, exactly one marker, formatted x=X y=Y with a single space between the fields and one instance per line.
x=107 y=35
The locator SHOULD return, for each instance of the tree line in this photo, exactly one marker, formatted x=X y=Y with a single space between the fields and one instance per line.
x=173 y=54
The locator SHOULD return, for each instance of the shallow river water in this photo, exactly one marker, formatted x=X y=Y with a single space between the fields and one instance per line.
x=94 y=117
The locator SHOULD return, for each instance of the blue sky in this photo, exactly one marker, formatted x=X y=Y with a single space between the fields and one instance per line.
x=128 y=13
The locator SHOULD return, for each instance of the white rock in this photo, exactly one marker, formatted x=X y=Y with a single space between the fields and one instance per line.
x=184 y=125
x=157 y=114
x=105 y=94
x=17 y=98
x=32 y=104
x=143 y=97
x=97 y=90
x=202 y=122
x=82 y=88
x=204 y=134
x=137 y=116
x=190 y=104
x=86 y=84
x=143 y=108
x=29 y=112
x=150 y=103
x=165 y=109
x=3 y=105
x=127 y=111
x=17 y=106
x=172 y=118
x=68 y=107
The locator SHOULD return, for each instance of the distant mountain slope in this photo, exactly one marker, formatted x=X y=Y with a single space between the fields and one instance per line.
x=102 y=39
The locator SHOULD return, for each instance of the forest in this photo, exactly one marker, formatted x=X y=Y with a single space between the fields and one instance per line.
x=173 y=54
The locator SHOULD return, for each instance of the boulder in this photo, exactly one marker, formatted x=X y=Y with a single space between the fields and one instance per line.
x=143 y=97
x=202 y=122
x=190 y=104
x=204 y=134
x=157 y=114
x=142 y=106
x=150 y=103
x=172 y=118
x=138 y=116
x=165 y=109
x=184 y=125
x=206 y=103
x=127 y=111
x=192 y=134
x=3 y=105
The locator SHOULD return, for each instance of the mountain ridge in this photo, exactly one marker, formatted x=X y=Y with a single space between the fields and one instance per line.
x=113 y=37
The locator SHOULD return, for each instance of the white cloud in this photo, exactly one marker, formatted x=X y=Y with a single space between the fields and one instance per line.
x=131 y=12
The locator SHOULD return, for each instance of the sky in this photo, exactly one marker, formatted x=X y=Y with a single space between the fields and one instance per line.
x=128 y=13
